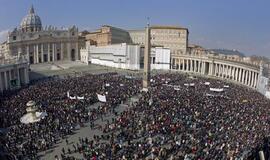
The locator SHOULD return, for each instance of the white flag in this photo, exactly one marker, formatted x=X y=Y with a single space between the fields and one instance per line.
x=74 y=97
x=68 y=94
x=101 y=98
x=216 y=89
x=192 y=84
x=80 y=98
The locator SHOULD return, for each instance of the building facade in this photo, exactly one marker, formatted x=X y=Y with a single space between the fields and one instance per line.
x=40 y=44
x=13 y=74
x=125 y=56
x=173 y=37
x=108 y=35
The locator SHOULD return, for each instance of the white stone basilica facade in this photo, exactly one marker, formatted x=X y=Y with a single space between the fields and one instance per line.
x=38 y=44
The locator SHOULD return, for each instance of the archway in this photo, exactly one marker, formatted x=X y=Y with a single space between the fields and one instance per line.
x=31 y=59
x=73 y=58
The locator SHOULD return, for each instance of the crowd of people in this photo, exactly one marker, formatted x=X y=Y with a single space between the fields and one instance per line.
x=178 y=121
x=178 y=118
x=25 y=140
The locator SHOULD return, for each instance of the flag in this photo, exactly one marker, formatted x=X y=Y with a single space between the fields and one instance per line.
x=80 y=98
x=216 y=89
x=101 y=98
x=74 y=97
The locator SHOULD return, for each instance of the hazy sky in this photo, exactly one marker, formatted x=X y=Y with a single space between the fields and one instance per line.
x=232 y=24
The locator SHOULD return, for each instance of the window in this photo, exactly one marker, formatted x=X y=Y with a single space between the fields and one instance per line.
x=179 y=34
x=14 y=38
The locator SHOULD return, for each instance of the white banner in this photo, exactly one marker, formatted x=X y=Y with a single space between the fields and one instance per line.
x=121 y=85
x=176 y=88
x=80 y=98
x=74 y=97
x=226 y=86
x=207 y=83
x=107 y=84
x=189 y=84
x=101 y=98
x=68 y=94
x=216 y=89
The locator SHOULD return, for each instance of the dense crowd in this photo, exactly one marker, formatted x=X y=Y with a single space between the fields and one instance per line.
x=173 y=120
x=177 y=121
x=64 y=114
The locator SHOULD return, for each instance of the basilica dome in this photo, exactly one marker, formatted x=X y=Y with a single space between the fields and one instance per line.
x=31 y=22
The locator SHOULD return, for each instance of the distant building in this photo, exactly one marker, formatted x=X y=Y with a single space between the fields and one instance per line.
x=107 y=35
x=125 y=56
x=38 y=44
x=173 y=37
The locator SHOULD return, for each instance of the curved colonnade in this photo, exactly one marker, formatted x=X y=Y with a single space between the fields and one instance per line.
x=239 y=72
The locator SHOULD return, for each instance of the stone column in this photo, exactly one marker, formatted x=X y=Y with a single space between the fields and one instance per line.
x=77 y=52
x=184 y=64
x=62 y=51
x=1 y=83
x=222 y=71
x=49 y=52
x=53 y=52
x=10 y=77
x=202 y=67
x=188 y=65
x=42 y=53
x=230 y=72
x=18 y=76
x=243 y=76
x=28 y=53
x=6 y=80
x=68 y=51
x=238 y=74
x=216 y=69
x=252 y=79
x=191 y=67
x=225 y=71
x=26 y=75
x=180 y=64
x=256 y=80
x=196 y=66
x=249 y=77
x=246 y=77
x=233 y=73
x=209 y=68
x=212 y=69
x=34 y=54
x=37 y=53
